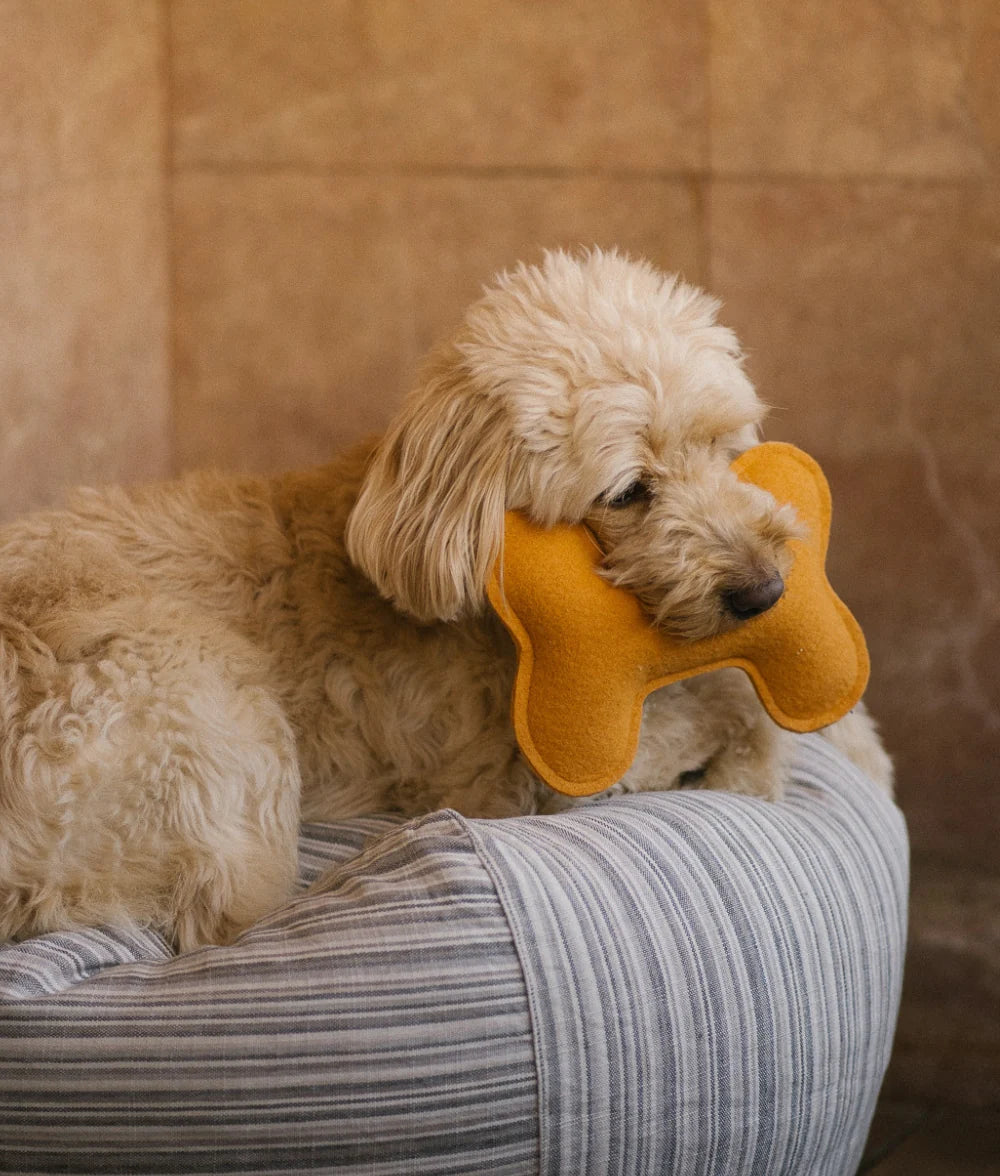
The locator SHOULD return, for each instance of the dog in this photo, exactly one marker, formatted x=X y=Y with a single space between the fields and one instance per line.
x=187 y=670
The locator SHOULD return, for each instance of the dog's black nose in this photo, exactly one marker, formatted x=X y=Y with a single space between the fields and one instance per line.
x=755 y=599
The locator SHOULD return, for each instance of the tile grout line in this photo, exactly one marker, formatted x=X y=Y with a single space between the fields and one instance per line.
x=704 y=182
x=266 y=169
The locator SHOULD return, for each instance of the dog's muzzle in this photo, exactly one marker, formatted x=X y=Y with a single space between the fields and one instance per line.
x=754 y=599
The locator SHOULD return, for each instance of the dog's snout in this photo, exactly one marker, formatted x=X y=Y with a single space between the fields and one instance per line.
x=753 y=599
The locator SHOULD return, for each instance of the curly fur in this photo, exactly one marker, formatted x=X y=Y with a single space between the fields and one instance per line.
x=187 y=670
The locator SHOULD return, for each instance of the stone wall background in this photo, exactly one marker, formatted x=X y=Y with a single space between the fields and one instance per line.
x=228 y=230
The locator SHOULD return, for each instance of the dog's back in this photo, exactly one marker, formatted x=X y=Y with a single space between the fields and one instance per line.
x=177 y=660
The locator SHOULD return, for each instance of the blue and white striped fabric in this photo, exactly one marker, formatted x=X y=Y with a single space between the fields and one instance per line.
x=690 y=983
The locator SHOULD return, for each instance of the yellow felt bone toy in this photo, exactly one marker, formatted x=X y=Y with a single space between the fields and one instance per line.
x=588 y=655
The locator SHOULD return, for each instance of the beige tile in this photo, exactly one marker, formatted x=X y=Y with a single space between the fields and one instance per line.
x=81 y=89
x=305 y=302
x=984 y=75
x=933 y=638
x=569 y=83
x=461 y=231
x=83 y=367
x=869 y=311
x=849 y=89
x=292 y=318
x=870 y=314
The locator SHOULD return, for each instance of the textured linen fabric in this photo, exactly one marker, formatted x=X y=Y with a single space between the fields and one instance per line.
x=667 y=983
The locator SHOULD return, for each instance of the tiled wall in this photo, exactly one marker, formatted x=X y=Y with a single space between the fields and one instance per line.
x=348 y=174
x=84 y=380
x=230 y=227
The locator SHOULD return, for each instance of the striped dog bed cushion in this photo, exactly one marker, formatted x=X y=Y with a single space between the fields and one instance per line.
x=666 y=983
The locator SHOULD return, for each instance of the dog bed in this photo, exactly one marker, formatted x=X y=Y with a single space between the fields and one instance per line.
x=675 y=982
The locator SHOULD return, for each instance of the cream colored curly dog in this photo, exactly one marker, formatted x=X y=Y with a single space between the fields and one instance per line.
x=186 y=670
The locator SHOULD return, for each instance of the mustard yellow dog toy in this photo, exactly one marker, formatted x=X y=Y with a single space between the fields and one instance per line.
x=588 y=655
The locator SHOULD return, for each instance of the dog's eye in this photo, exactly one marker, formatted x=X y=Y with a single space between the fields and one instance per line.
x=637 y=492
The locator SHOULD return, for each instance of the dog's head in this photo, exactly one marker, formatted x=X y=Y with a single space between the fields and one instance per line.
x=587 y=389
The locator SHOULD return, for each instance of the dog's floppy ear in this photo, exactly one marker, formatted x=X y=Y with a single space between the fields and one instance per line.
x=428 y=524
